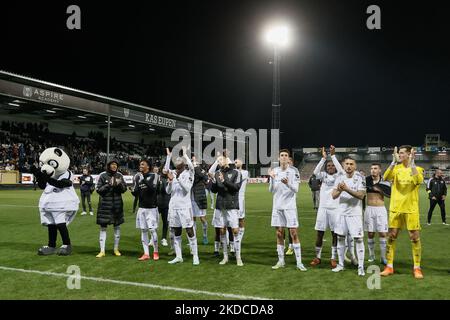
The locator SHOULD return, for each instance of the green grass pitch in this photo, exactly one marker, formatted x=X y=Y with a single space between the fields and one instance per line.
x=21 y=235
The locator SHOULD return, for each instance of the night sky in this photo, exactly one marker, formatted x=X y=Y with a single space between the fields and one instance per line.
x=341 y=83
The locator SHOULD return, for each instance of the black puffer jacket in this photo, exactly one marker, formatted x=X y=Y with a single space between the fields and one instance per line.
x=228 y=190
x=110 y=186
x=163 y=197
x=198 y=188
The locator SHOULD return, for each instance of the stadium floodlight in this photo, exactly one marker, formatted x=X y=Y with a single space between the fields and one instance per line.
x=50 y=111
x=278 y=35
x=131 y=125
x=82 y=117
x=14 y=104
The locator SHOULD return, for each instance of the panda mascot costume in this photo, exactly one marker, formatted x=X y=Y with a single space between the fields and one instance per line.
x=59 y=202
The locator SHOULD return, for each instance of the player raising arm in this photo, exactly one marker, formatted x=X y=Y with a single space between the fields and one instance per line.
x=406 y=178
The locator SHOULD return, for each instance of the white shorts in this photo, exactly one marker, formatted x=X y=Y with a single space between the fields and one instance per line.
x=352 y=225
x=147 y=218
x=56 y=217
x=197 y=212
x=286 y=218
x=241 y=208
x=181 y=218
x=326 y=219
x=226 y=218
x=375 y=219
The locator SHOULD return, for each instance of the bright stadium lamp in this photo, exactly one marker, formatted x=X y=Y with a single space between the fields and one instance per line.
x=278 y=35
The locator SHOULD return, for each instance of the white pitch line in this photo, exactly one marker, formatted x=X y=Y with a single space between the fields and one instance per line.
x=137 y=284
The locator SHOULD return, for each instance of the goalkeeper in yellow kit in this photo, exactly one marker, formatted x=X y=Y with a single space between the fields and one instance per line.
x=404 y=207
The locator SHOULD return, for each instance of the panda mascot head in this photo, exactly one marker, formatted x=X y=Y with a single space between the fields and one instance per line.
x=54 y=162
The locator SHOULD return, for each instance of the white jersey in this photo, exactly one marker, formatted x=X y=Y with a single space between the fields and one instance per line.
x=284 y=195
x=348 y=204
x=59 y=199
x=180 y=187
x=328 y=182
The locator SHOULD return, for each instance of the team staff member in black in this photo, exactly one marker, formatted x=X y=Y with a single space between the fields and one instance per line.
x=437 y=191
x=110 y=186
x=314 y=185
x=86 y=188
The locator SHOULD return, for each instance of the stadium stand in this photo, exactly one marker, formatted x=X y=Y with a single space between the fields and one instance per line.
x=21 y=144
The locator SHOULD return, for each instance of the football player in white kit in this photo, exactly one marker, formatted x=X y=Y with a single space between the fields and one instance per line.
x=244 y=177
x=147 y=217
x=180 y=205
x=375 y=215
x=284 y=183
x=327 y=213
x=350 y=189
x=226 y=183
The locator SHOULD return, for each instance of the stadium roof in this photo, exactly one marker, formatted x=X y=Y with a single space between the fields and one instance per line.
x=26 y=88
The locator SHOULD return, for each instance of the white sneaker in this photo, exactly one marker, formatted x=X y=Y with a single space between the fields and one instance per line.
x=338 y=268
x=91 y=213
x=301 y=267
x=371 y=259
x=278 y=265
x=361 y=272
x=224 y=261
x=195 y=261
x=83 y=213
x=176 y=260
x=164 y=243
x=239 y=262
x=445 y=223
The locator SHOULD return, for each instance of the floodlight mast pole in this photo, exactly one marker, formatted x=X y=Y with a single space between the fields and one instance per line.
x=276 y=105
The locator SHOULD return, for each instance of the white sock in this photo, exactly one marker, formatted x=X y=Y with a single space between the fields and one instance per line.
x=154 y=239
x=228 y=237
x=102 y=239
x=116 y=237
x=223 y=239
x=241 y=233
x=351 y=246
x=172 y=239
x=298 y=252
x=193 y=243
x=341 y=250
x=371 y=246
x=360 y=249
x=177 y=245
x=145 y=240
x=237 y=246
x=205 y=229
x=333 y=253
x=280 y=249
x=216 y=246
x=383 y=248
x=195 y=228
x=319 y=252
